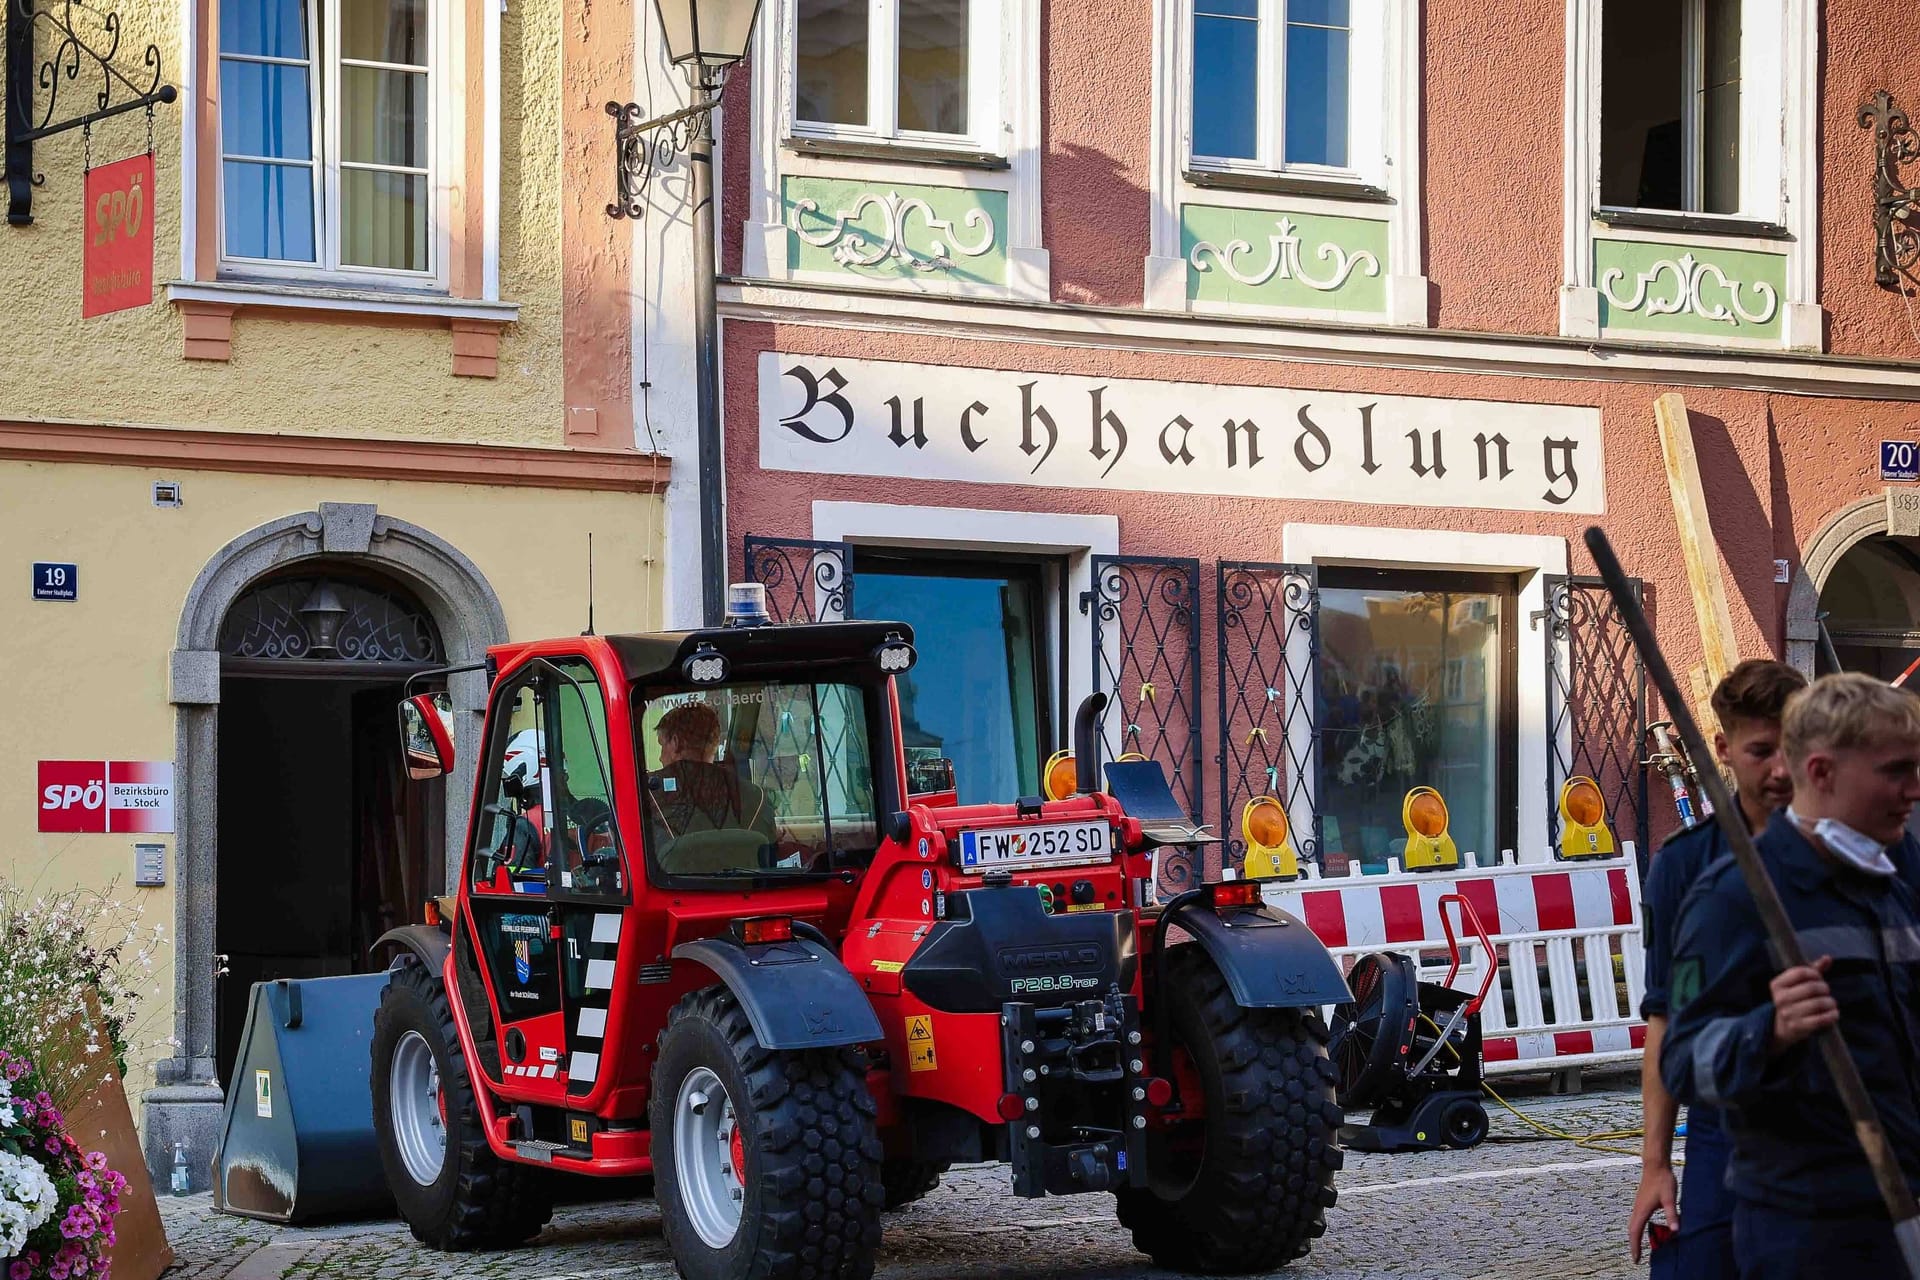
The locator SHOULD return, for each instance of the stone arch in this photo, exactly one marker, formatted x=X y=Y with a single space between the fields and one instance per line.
x=1848 y=528
x=468 y=615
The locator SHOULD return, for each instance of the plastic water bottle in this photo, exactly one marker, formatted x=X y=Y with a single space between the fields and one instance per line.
x=181 y=1176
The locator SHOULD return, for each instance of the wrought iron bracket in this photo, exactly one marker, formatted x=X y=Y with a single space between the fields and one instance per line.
x=644 y=147
x=1896 y=207
x=33 y=92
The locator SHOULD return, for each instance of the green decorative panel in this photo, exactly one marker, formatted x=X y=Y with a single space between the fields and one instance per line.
x=895 y=232
x=1279 y=258
x=1688 y=290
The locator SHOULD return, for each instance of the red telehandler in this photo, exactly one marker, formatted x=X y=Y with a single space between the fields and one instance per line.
x=705 y=933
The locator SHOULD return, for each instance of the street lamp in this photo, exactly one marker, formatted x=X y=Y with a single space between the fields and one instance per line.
x=713 y=33
x=704 y=37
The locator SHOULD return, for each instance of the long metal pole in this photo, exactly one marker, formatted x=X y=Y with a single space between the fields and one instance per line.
x=713 y=501
x=1782 y=941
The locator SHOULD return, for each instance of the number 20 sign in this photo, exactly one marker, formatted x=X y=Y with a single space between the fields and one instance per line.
x=118 y=260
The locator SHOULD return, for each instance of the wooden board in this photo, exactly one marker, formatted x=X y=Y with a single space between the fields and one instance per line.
x=1697 y=546
x=140 y=1250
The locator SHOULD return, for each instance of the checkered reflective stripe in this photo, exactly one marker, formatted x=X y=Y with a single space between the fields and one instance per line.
x=587 y=1016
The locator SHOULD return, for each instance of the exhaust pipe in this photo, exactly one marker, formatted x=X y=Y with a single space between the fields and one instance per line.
x=1086 y=778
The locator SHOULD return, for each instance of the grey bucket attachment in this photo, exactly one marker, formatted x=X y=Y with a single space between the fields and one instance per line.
x=297 y=1141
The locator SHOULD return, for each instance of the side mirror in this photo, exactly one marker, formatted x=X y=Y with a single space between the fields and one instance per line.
x=426 y=736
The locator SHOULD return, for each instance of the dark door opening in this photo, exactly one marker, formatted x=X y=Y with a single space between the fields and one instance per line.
x=322 y=842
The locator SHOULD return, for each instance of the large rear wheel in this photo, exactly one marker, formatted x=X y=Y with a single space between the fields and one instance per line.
x=1246 y=1187
x=766 y=1162
x=450 y=1187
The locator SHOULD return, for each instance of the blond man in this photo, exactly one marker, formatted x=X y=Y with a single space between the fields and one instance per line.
x=1741 y=1030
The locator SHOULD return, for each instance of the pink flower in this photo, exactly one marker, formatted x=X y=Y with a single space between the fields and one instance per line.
x=20 y=1270
x=15 y=1070
x=59 y=1271
x=97 y=1160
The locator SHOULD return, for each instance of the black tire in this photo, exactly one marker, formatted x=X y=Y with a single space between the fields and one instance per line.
x=909 y=1180
x=479 y=1201
x=1464 y=1123
x=812 y=1186
x=1247 y=1187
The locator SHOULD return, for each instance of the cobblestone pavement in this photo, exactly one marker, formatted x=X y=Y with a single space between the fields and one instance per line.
x=1521 y=1205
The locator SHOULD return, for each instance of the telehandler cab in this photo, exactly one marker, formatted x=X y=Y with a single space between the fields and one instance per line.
x=706 y=933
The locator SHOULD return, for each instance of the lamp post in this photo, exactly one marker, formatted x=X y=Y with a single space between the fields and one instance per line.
x=705 y=38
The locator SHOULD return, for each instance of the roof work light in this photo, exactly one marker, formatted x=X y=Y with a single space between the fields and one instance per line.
x=1429 y=847
x=1583 y=820
x=1270 y=853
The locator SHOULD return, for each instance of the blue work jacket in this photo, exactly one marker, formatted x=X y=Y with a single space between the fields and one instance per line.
x=1793 y=1146
x=1676 y=868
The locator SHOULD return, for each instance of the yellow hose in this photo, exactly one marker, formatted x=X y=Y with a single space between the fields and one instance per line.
x=1597 y=1141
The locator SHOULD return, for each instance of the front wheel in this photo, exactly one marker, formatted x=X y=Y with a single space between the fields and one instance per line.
x=453 y=1191
x=766 y=1162
x=1246 y=1187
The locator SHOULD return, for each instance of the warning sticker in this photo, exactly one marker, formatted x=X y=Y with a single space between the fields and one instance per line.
x=889 y=966
x=920 y=1055
x=263 y=1095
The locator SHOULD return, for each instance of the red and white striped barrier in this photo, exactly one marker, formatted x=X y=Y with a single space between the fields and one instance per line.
x=1554 y=913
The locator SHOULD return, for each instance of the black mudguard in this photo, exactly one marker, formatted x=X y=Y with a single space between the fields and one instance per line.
x=796 y=994
x=1268 y=957
x=424 y=942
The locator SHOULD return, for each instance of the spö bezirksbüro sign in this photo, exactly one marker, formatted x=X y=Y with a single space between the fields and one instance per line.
x=991 y=426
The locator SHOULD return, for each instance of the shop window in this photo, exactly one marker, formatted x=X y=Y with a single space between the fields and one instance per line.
x=1671 y=106
x=327 y=130
x=979 y=694
x=919 y=71
x=1417 y=689
x=1283 y=84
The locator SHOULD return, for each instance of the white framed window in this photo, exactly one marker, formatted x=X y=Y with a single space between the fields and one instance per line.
x=1286 y=86
x=1693 y=128
x=921 y=73
x=329 y=128
x=1690 y=107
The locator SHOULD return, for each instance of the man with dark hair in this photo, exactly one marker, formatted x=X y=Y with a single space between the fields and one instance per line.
x=690 y=790
x=1805 y=1203
x=1748 y=705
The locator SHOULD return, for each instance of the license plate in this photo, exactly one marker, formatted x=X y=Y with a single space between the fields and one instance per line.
x=1052 y=844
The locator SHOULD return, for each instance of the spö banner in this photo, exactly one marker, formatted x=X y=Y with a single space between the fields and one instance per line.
x=106 y=796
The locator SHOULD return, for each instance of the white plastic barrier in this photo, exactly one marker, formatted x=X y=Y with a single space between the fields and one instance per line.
x=1534 y=912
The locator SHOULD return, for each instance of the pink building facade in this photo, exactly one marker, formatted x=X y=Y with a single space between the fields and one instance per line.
x=1260 y=362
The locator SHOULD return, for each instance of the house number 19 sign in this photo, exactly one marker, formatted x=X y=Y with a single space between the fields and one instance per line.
x=118 y=260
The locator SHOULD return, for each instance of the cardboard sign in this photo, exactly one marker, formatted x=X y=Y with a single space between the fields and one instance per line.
x=118 y=261
x=100 y=796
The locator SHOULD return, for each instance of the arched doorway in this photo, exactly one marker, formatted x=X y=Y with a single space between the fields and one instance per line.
x=1870 y=605
x=322 y=844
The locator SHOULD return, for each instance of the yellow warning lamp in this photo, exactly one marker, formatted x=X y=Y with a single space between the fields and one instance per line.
x=1429 y=847
x=1060 y=778
x=1270 y=853
x=1583 y=820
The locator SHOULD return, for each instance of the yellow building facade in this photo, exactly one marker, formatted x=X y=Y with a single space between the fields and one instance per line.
x=375 y=414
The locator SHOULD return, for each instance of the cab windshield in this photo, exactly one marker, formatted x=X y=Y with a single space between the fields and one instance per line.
x=766 y=778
